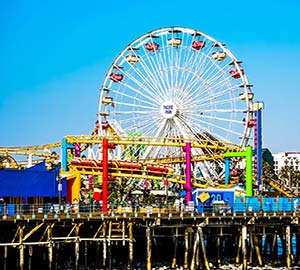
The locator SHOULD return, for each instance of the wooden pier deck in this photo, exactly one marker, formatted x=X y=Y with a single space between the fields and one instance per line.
x=150 y=235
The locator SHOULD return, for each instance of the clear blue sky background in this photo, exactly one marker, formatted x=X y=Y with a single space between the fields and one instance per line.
x=54 y=56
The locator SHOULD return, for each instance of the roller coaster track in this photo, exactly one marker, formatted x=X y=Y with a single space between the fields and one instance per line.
x=216 y=148
x=181 y=159
x=123 y=173
x=37 y=150
x=155 y=141
x=274 y=184
x=7 y=154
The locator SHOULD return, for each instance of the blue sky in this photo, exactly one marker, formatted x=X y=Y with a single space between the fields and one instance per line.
x=55 y=54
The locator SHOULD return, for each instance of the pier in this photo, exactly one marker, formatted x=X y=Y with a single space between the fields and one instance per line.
x=124 y=237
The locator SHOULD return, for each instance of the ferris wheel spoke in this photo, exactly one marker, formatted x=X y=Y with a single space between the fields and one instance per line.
x=213 y=98
x=186 y=62
x=218 y=72
x=179 y=61
x=162 y=60
x=130 y=105
x=224 y=88
x=139 y=92
x=209 y=127
x=126 y=112
x=201 y=61
x=134 y=98
x=218 y=127
x=143 y=125
x=219 y=84
x=151 y=69
x=220 y=111
x=157 y=134
x=192 y=64
x=197 y=77
x=211 y=67
x=148 y=77
x=139 y=84
x=195 y=80
x=169 y=59
x=137 y=121
x=184 y=131
x=222 y=119
x=155 y=65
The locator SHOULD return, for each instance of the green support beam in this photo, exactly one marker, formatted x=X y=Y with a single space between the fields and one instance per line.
x=248 y=155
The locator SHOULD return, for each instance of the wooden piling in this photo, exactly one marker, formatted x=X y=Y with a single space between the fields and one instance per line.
x=21 y=246
x=130 y=247
x=195 y=248
x=274 y=246
x=30 y=252
x=197 y=263
x=77 y=242
x=104 y=234
x=104 y=262
x=77 y=254
x=97 y=260
x=200 y=231
x=109 y=255
x=57 y=245
x=256 y=243
x=218 y=250
x=288 y=245
x=5 y=253
x=244 y=246
x=250 y=260
x=149 y=247
x=174 y=260
x=186 y=249
x=50 y=246
x=85 y=254
x=238 y=253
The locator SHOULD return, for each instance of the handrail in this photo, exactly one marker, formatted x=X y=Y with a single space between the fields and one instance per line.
x=55 y=210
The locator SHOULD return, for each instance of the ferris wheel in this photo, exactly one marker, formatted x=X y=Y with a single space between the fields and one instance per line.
x=177 y=82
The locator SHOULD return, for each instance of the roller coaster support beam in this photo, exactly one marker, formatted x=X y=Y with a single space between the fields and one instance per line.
x=188 y=183
x=227 y=170
x=105 y=146
x=248 y=154
x=64 y=156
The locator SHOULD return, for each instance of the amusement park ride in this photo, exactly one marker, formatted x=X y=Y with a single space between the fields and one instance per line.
x=176 y=118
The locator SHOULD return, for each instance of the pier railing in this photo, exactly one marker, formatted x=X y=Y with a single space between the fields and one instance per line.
x=66 y=210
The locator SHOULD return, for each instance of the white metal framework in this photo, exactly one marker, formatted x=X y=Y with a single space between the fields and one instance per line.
x=177 y=82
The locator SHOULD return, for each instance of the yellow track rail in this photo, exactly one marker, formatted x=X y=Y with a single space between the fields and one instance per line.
x=36 y=150
x=155 y=141
x=273 y=184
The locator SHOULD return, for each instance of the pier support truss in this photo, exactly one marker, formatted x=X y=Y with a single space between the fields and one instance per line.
x=189 y=241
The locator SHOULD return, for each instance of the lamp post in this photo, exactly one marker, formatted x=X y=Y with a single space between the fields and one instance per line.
x=59 y=187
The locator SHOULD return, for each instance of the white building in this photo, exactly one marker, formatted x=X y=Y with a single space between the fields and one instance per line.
x=286 y=159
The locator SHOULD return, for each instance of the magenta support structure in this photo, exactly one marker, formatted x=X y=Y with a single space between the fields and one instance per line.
x=188 y=182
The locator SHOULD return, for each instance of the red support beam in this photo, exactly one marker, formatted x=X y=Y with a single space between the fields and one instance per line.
x=104 y=174
x=105 y=146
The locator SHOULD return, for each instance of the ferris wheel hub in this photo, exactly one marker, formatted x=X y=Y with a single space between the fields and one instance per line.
x=168 y=109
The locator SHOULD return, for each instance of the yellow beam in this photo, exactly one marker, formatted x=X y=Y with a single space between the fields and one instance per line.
x=33 y=230
x=153 y=141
